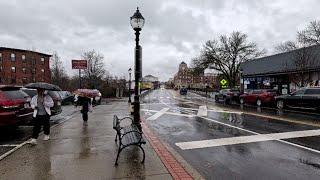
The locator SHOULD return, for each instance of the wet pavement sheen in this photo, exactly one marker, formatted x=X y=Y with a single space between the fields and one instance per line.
x=257 y=160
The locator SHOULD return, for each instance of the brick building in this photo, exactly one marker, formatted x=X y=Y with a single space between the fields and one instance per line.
x=186 y=78
x=19 y=67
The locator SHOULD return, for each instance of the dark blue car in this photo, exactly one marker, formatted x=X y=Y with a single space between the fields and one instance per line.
x=183 y=91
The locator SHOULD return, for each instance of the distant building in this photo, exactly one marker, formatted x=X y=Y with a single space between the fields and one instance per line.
x=19 y=67
x=185 y=77
x=285 y=72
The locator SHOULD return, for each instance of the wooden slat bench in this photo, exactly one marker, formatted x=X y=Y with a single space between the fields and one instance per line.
x=128 y=135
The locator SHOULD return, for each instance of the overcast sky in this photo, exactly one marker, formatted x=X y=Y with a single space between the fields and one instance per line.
x=174 y=30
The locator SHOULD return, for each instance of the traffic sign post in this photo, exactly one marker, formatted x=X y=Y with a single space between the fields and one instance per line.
x=79 y=64
x=224 y=83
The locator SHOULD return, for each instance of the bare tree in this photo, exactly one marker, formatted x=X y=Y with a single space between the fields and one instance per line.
x=302 y=60
x=58 y=74
x=226 y=53
x=310 y=35
x=96 y=68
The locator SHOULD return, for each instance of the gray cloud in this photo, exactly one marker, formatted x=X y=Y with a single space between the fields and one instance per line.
x=174 y=31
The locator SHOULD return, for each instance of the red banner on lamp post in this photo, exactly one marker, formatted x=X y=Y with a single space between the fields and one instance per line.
x=79 y=64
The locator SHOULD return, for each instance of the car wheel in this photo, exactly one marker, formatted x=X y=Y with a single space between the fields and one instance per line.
x=259 y=102
x=216 y=98
x=241 y=101
x=280 y=104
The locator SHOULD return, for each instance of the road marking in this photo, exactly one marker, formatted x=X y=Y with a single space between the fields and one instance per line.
x=246 y=139
x=202 y=111
x=168 y=97
x=158 y=114
x=12 y=150
x=161 y=97
x=170 y=113
x=285 y=142
x=9 y=145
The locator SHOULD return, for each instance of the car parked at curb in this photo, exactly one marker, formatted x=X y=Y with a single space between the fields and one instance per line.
x=183 y=91
x=259 y=97
x=227 y=95
x=66 y=97
x=306 y=98
x=14 y=106
x=56 y=109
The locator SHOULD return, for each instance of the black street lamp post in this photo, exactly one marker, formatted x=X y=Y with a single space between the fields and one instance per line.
x=130 y=70
x=137 y=22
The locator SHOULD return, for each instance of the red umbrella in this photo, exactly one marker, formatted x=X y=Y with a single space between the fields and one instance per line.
x=90 y=93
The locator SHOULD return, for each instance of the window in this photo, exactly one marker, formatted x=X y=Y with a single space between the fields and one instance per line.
x=13 y=57
x=0 y=68
x=0 y=57
x=33 y=70
x=33 y=61
x=23 y=57
x=42 y=60
x=24 y=70
x=13 y=69
x=24 y=80
x=42 y=70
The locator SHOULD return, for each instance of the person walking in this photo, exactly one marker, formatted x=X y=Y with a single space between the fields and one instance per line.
x=41 y=104
x=86 y=104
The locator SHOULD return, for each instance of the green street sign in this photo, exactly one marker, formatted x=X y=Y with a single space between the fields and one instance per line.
x=223 y=82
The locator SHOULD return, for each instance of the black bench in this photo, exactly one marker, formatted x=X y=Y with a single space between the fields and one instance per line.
x=128 y=135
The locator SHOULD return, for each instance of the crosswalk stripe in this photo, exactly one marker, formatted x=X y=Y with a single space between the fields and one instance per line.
x=158 y=114
x=246 y=139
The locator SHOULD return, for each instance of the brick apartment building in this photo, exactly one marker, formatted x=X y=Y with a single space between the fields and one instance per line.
x=19 y=67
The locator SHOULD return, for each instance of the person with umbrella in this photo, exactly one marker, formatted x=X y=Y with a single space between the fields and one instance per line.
x=41 y=103
x=84 y=98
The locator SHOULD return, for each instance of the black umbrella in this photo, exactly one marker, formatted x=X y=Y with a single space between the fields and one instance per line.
x=42 y=85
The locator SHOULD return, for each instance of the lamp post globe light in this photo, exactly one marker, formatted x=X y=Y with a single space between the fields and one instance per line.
x=137 y=23
x=129 y=71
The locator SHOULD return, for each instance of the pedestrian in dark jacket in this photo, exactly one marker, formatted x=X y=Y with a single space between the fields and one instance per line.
x=85 y=102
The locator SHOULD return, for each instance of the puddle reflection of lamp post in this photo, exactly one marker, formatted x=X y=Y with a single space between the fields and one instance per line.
x=137 y=23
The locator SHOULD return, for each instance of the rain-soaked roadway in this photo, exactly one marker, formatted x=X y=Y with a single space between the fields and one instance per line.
x=227 y=142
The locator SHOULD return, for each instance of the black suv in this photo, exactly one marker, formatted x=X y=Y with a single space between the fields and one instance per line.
x=306 y=98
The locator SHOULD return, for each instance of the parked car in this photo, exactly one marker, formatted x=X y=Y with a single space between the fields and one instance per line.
x=66 y=97
x=227 y=95
x=183 y=91
x=306 y=98
x=259 y=97
x=56 y=109
x=14 y=106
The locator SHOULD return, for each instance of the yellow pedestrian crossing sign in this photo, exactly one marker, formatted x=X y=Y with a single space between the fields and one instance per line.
x=223 y=83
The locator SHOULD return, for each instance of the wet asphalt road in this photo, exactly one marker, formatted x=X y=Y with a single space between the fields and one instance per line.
x=293 y=155
x=9 y=137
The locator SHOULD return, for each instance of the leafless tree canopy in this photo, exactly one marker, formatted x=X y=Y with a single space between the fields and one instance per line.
x=226 y=53
x=96 y=68
x=58 y=74
x=310 y=35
